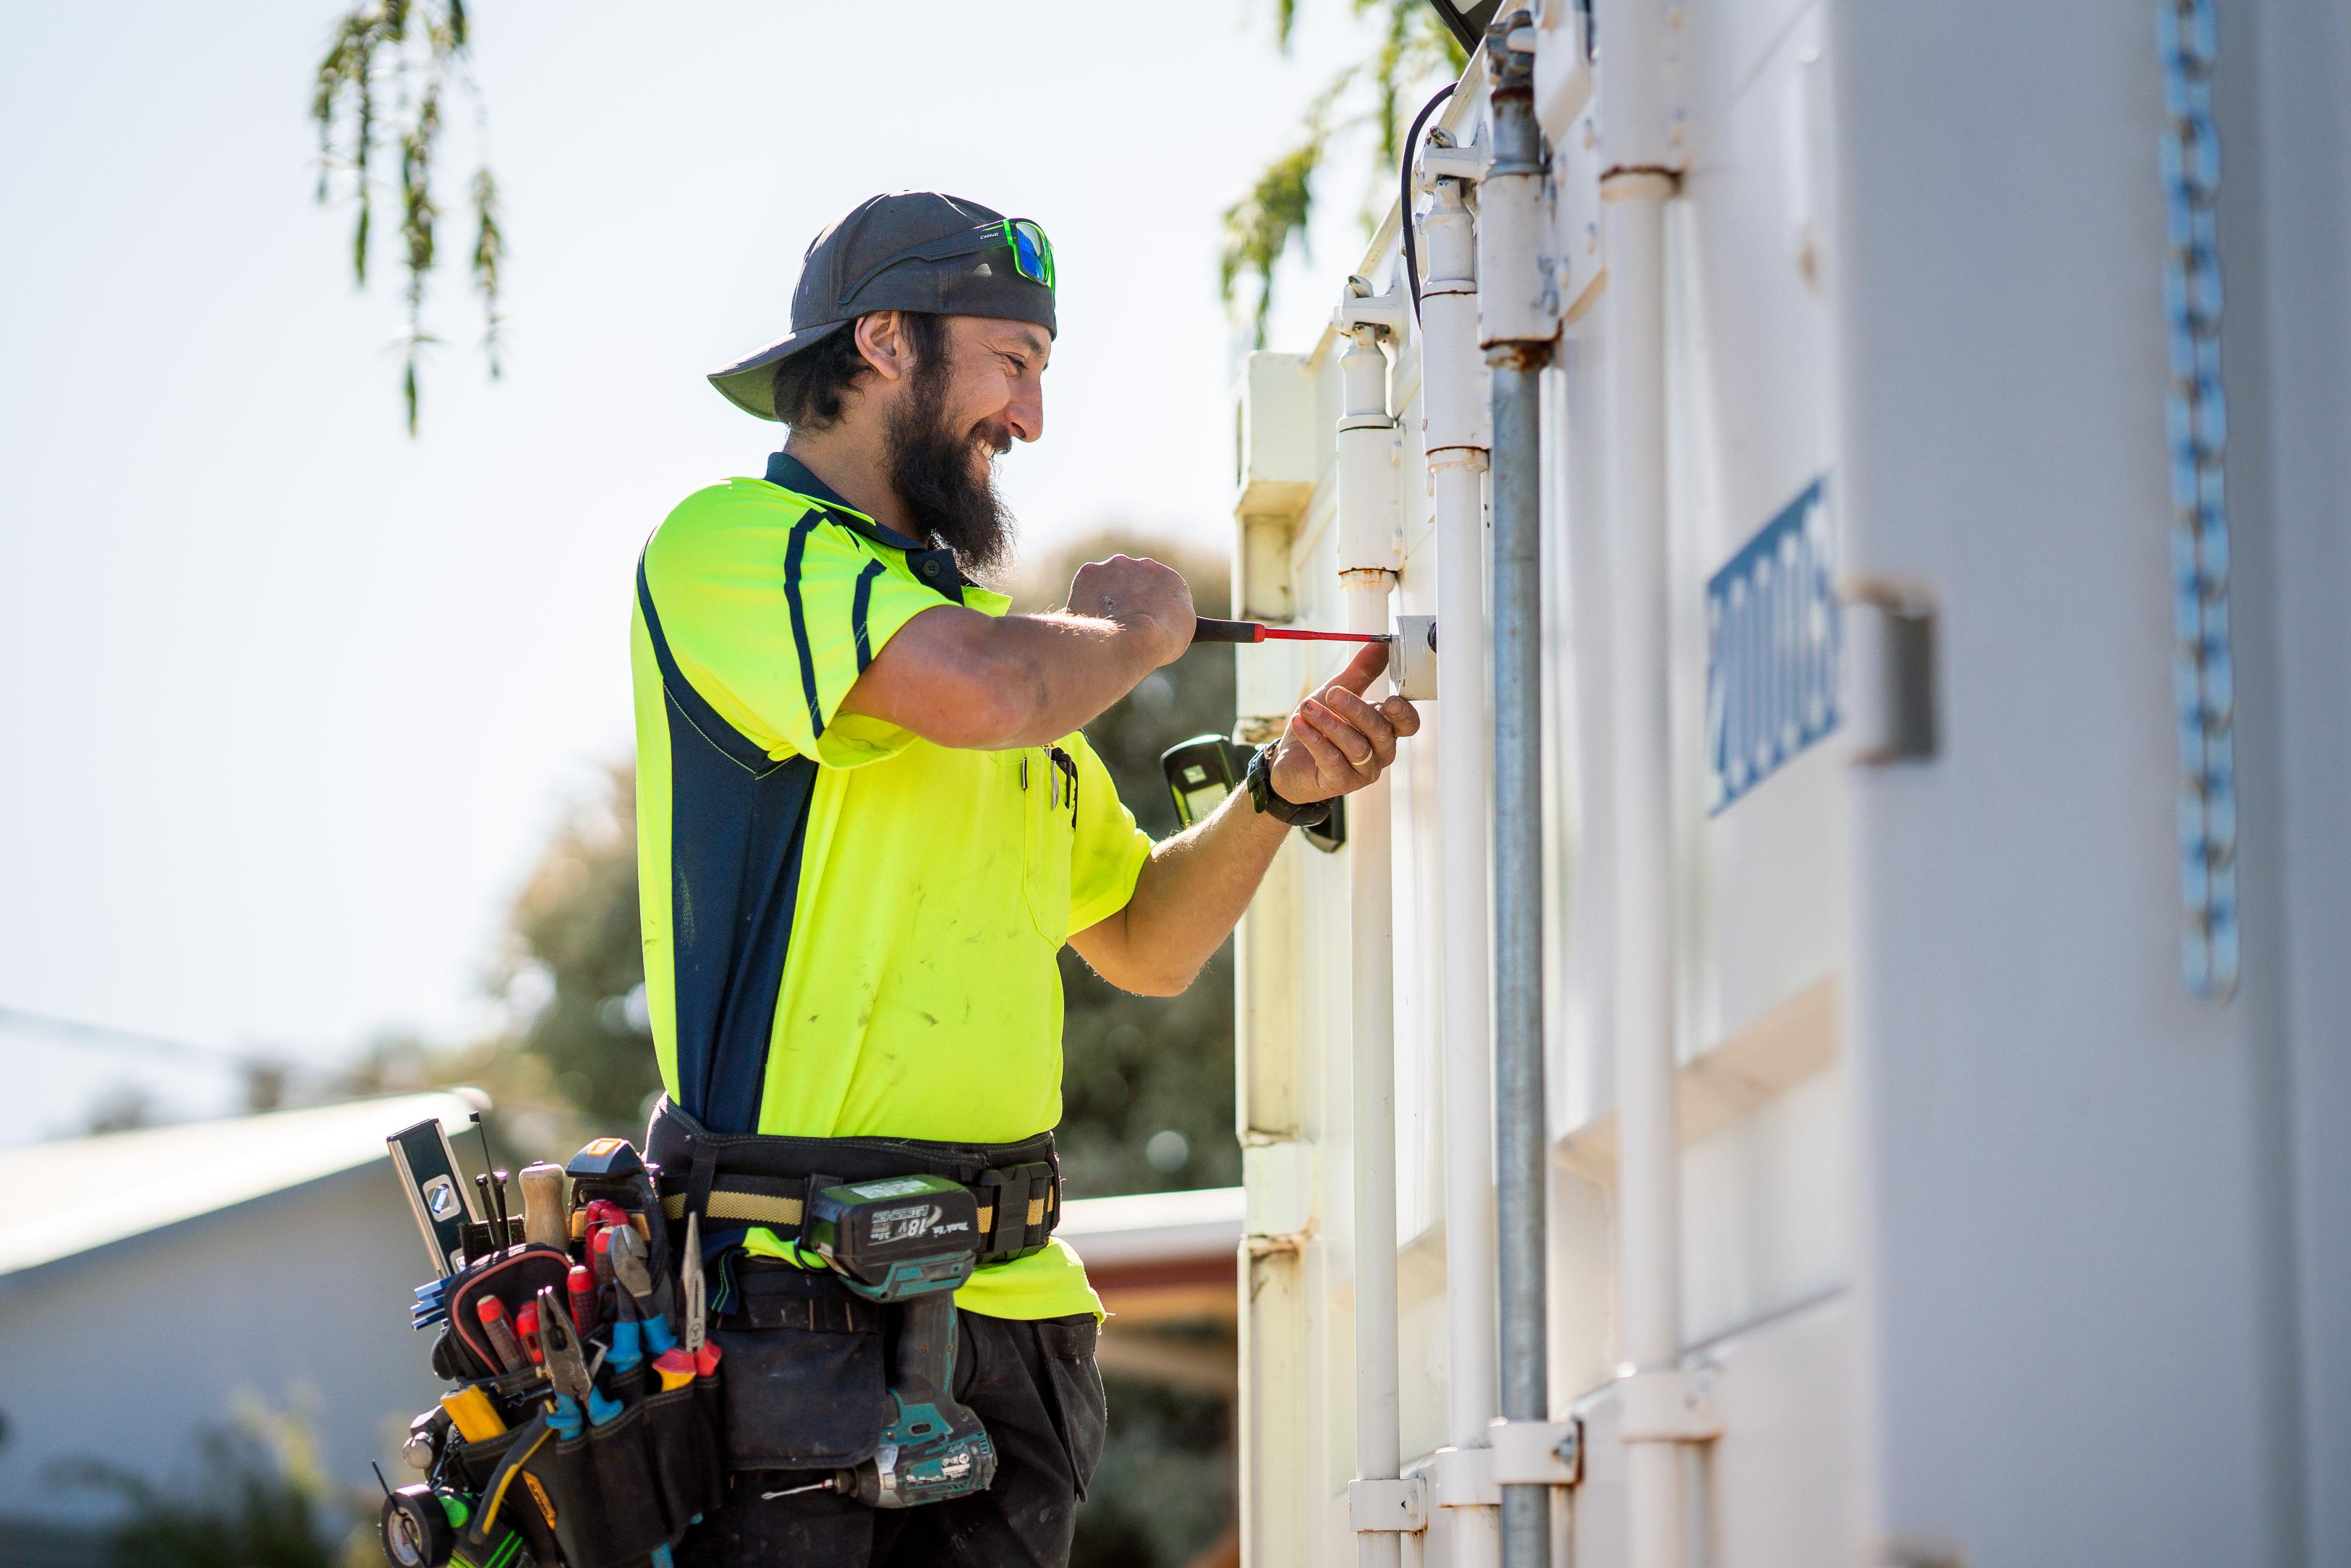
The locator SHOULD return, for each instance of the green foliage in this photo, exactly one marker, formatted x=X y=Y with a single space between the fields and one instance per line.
x=576 y=934
x=256 y=1499
x=405 y=55
x=1262 y=226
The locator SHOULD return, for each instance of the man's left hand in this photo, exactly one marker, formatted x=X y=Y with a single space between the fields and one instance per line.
x=1336 y=743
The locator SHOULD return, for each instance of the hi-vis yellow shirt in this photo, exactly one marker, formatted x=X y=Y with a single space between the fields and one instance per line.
x=849 y=931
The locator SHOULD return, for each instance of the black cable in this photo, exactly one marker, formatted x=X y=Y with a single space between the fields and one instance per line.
x=1404 y=210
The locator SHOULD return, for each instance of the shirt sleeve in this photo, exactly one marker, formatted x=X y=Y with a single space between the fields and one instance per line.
x=772 y=613
x=1107 y=850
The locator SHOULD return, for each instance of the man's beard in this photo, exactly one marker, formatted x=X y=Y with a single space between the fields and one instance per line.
x=931 y=469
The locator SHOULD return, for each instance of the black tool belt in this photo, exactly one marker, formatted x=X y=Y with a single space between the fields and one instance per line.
x=758 y=1179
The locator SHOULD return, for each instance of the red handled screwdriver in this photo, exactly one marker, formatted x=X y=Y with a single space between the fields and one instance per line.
x=1205 y=629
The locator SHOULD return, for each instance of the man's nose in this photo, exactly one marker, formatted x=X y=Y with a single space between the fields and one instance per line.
x=1026 y=413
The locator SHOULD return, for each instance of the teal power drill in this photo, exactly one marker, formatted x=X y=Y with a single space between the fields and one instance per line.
x=908 y=1242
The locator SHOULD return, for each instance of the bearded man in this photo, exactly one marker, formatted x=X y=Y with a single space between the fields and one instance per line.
x=868 y=821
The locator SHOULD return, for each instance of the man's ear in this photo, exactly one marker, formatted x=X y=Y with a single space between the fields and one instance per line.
x=882 y=339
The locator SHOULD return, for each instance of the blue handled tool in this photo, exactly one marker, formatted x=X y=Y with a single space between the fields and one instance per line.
x=567 y=1370
x=629 y=1267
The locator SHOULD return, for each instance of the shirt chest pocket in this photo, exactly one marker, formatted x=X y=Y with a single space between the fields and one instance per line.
x=1048 y=783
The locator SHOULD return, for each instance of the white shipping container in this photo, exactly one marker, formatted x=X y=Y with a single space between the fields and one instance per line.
x=2015 y=1184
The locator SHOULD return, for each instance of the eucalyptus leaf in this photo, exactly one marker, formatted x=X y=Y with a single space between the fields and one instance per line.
x=409 y=54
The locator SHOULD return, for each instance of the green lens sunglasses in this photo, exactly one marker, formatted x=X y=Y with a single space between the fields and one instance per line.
x=1032 y=253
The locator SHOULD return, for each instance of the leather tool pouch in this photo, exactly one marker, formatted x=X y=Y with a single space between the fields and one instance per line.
x=805 y=1383
x=609 y=1496
x=515 y=1278
x=625 y=1485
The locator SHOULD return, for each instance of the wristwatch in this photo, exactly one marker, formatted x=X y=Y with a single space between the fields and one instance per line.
x=1261 y=795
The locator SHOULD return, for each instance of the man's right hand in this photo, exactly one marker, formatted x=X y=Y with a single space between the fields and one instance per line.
x=1141 y=595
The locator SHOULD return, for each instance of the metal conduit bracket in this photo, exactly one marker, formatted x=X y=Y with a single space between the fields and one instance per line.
x=1443 y=159
x=1668 y=1405
x=1537 y=1453
x=1464 y=1477
x=1382 y=1507
x=1360 y=310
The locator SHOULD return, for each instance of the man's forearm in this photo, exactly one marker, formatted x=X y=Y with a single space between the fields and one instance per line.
x=959 y=678
x=1190 y=895
x=1062 y=671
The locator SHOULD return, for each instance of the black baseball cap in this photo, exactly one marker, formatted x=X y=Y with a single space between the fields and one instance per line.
x=908 y=250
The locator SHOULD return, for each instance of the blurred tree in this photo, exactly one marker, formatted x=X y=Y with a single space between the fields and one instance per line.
x=119 y=1108
x=1164 y=1494
x=575 y=970
x=258 y=1499
x=1147 y=1083
x=1260 y=228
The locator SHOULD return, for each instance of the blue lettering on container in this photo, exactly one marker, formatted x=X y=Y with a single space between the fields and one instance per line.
x=1771 y=650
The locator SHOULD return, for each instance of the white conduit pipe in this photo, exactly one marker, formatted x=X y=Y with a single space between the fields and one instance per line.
x=1634 y=191
x=1648 y=1142
x=1368 y=559
x=1453 y=403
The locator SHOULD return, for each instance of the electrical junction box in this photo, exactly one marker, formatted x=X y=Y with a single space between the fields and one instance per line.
x=1278 y=446
x=1412 y=657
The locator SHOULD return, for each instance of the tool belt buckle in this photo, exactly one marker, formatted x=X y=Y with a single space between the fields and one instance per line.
x=1024 y=1203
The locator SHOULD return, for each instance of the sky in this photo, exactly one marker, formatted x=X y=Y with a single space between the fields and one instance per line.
x=291 y=701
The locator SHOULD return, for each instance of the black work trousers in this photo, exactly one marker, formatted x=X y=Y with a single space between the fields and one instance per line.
x=1035 y=1387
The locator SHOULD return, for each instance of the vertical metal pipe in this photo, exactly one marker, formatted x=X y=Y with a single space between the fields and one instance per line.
x=1518 y=331
x=1518 y=1097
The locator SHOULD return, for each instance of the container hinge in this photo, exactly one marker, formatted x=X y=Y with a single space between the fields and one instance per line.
x=1381 y=1506
x=1537 y=1453
x=1670 y=1405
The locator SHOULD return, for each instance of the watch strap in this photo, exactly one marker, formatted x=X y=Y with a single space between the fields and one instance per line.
x=1263 y=797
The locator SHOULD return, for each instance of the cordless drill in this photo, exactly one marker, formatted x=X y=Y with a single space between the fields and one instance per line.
x=908 y=1242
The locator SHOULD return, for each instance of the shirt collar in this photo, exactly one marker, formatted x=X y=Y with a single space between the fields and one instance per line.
x=936 y=567
x=786 y=472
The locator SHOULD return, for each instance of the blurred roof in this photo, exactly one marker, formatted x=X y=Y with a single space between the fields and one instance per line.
x=96 y=1191
x=1154 y=1227
x=1161 y=1257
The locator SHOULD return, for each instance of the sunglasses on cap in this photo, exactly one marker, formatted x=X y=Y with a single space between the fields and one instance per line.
x=1032 y=253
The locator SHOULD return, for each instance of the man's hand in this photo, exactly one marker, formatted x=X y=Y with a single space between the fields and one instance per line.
x=1196 y=883
x=1336 y=742
x=1142 y=596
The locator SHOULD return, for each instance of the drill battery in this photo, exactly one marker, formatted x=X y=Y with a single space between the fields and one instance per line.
x=897 y=1238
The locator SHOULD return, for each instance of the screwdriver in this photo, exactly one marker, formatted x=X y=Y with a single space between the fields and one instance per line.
x=495 y=1323
x=1206 y=630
